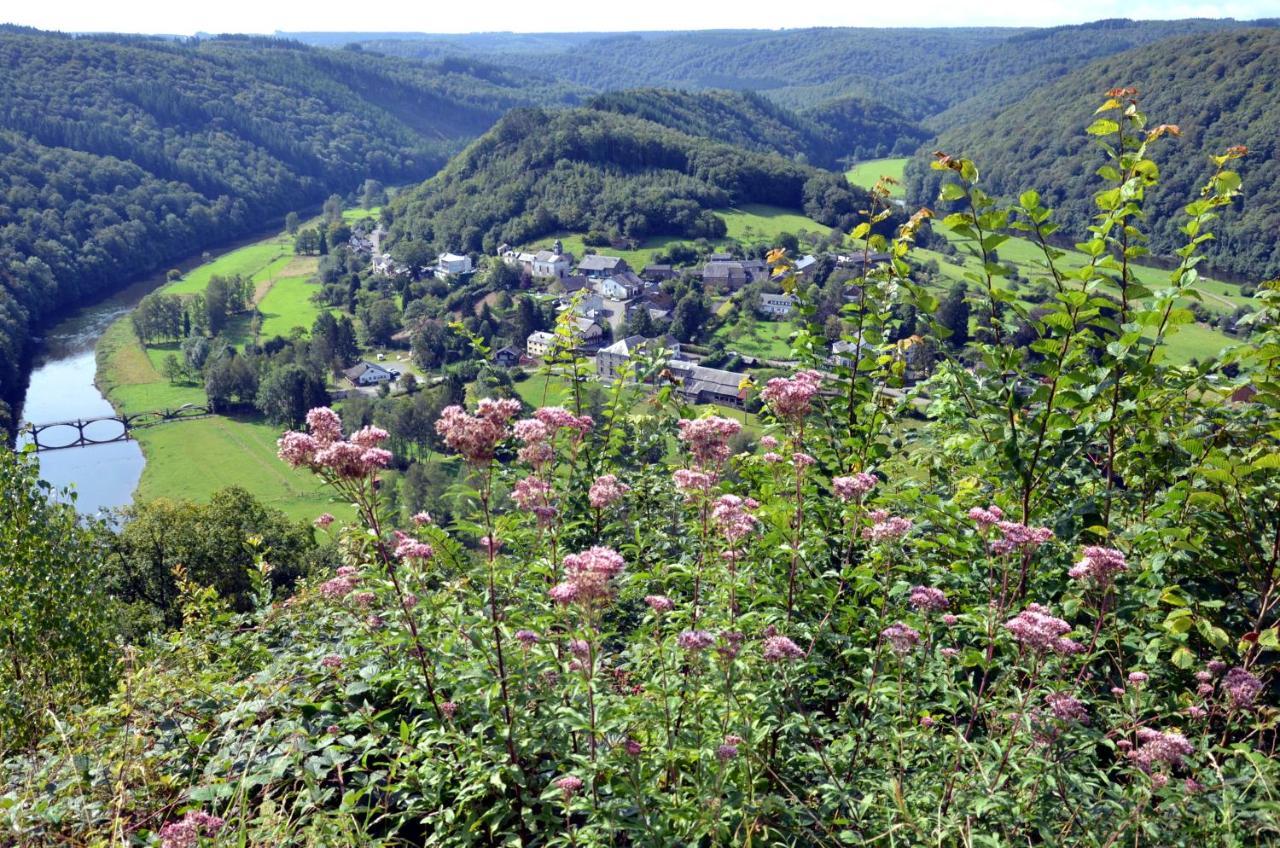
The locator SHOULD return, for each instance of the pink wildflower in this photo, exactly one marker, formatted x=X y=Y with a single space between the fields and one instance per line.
x=695 y=640
x=732 y=518
x=792 y=397
x=802 y=460
x=986 y=518
x=363 y=599
x=606 y=491
x=588 y=575
x=374 y=622
x=369 y=437
x=410 y=600
x=854 y=487
x=768 y=442
x=337 y=588
x=886 y=527
x=408 y=547
x=490 y=545
x=708 y=438
x=949 y=652
x=527 y=638
x=449 y=708
x=928 y=599
x=730 y=644
x=476 y=437
x=1197 y=712
x=421 y=518
x=690 y=482
x=1216 y=666
x=324 y=424
x=659 y=603
x=950 y=619
x=1066 y=708
x=901 y=638
x=1242 y=688
x=580 y=648
x=1019 y=537
x=1137 y=678
x=779 y=648
x=186 y=832
x=772 y=458
x=331 y=661
x=1040 y=631
x=569 y=785
x=1193 y=786
x=1099 y=565
x=632 y=747
x=323 y=520
x=1156 y=747
x=927 y=722
x=559 y=418
x=728 y=749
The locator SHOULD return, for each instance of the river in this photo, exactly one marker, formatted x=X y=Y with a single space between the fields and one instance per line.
x=62 y=389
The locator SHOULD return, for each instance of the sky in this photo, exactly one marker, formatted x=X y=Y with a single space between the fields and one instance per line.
x=183 y=17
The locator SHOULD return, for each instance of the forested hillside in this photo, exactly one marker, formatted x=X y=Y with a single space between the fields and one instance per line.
x=850 y=128
x=538 y=171
x=119 y=154
x=1222 y=88
x=952 y=75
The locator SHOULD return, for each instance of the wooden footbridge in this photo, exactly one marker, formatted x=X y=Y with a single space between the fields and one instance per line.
x=83 y=432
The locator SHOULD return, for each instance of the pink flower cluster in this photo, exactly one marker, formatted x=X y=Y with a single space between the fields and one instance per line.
x=695 y=640
x=323 y=449
x=1156 y=747
x=885 y=527
x=901 y=638
x=1067 y=708
x=1019 y=537
x=728 y=749
x=986 y=518
x=538 y=433
x=323 y=520
x=341 y=586
x=1242 y=688
x=569 y=785
x=408 y=547
x=587 y=576
x=659 y=603
x=779 y=648
x=186 y=832
x=1099 y=565
x=534 y=495
x=928 y=599
x=606 y=491
x=708 y=438
x=731 y=515
x=476 y=437
x=853 y=487
x=692 y=483
x=1036 y=628
x=792 y=397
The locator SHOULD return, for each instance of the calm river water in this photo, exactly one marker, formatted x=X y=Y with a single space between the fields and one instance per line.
x=62 y=389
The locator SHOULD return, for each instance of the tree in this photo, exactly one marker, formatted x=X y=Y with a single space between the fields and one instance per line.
x=373 y=194
x=953 y=313
x=322 y=245
x=307 y=242
x=210 y=542
x=55 y=618
x=173 y=369
x=690 y=316
x=291 y=223
x=381 y=321
x=286 y=392
x=195 y=350
x=333 y=208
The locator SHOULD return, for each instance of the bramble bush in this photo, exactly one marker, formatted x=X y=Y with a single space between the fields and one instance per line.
x=1032 y=600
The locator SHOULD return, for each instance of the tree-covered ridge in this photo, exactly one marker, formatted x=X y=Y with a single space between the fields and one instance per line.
x=539 y=171
x=826 y=136
x=121 y=154
x=1222 y=88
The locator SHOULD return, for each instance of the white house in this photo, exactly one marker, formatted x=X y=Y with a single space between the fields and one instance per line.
x=622 y=286
x=776 y=305
x=598 y=266
x=452 y=263
x=368 y=374
x=551 y=263
x=540 y=343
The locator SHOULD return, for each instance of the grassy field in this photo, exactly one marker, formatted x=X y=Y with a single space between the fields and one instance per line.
x=287 y=304
x=866 y=173
x=193 y=459
x=767 y=339
x=756 y=222
x=250 y=261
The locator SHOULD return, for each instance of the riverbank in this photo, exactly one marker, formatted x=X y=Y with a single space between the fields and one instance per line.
x=193 y=459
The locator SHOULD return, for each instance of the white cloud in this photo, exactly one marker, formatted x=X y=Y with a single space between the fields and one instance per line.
x=586 y=15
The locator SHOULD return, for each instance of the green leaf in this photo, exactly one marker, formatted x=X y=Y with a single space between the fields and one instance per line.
x=1103 y=126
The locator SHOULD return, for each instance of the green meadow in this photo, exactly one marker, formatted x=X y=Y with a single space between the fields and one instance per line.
x=865 y=174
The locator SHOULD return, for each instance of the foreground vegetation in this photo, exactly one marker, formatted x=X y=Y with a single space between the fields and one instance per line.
x=1046 y=615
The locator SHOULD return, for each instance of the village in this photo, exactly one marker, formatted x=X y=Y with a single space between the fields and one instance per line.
x=602 y=295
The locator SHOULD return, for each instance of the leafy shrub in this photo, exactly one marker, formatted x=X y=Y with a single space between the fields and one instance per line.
x=1045 y=616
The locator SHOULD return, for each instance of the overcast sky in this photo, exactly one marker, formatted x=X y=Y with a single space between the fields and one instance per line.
x=184 y=17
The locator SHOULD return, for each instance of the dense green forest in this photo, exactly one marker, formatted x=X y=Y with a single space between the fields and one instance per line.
x=829 y=136
x=538 y=171
x=1222 y=88
x=119 y=155
x=953 y=75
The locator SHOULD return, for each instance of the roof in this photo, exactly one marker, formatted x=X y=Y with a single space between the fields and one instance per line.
x=632 y=344
x=451 y=257
x=549 y=256
x=358 y=370
x=542 y=336
x=656 y=269
x=805 y=262
x=509 y=350
x=700 y=379
x=599 y=262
